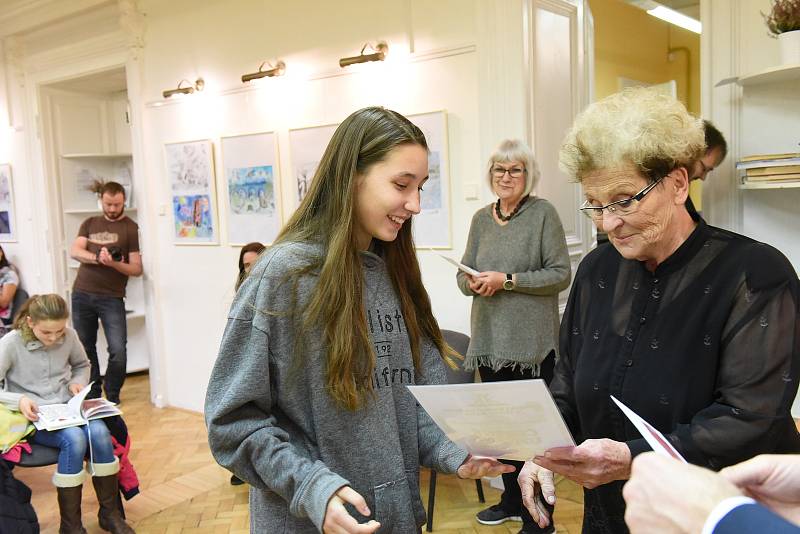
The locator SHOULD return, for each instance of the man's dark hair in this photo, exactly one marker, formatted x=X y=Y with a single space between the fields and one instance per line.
x=112 y=188
x=714 y=139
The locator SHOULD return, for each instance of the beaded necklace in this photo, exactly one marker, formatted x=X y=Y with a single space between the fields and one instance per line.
x=506 y=218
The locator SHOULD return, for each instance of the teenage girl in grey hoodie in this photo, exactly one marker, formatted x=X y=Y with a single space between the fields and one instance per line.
x=307 y=401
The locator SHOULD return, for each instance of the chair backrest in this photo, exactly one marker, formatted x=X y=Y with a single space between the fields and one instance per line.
x=19 y=299
x=459 y=342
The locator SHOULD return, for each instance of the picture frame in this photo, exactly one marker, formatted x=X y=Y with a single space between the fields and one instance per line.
x=306 y=146
x=432 y=228
x=253 y=204
x=8 y=223
x=192 y=186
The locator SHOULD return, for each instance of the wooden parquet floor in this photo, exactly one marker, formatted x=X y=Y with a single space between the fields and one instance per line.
x=184 y=490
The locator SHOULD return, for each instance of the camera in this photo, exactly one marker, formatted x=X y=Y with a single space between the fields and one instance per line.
x=115 y=253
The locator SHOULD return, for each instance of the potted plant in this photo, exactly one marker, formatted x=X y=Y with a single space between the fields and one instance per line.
x=783 y=22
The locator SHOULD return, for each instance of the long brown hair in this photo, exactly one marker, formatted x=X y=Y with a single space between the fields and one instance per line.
x=50 y=307
x=327 y=216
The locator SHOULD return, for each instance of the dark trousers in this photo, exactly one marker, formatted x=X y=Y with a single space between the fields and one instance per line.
x=511 y=500
x=87 y=308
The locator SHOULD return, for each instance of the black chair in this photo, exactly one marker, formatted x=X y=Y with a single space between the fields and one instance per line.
x=459 y=342
x=42 y=455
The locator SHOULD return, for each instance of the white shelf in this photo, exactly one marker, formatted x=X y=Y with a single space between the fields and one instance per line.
x=770 y=185
x=90 y=211
x=783 y=73
x=134 y=315
x=97 y=155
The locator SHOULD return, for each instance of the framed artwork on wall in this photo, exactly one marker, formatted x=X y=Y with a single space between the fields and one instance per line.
x=190 y=175
x=306 y=146
x=432 y=225
x=7 y=220
x=252 y=198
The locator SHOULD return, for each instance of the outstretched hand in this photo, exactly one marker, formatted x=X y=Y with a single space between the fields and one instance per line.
x=483 y=466
x=593 y=463
x=339 y=521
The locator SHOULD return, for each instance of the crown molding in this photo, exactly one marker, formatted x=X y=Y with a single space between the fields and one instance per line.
x=27 y=15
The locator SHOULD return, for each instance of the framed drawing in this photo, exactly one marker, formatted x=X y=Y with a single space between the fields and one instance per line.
x=307 y=146
x=7 y=221
x=252 y=199
x=190 y=175
x=432 y=225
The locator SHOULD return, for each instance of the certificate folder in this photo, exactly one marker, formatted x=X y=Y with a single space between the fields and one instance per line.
x=514 y=420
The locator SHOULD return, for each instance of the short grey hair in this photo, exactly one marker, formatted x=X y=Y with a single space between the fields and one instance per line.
x=515 y=150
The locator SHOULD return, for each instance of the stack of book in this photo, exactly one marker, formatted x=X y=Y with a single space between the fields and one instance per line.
x=770 y=167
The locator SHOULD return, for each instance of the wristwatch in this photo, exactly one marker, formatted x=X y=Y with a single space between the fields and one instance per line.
x=508 y=285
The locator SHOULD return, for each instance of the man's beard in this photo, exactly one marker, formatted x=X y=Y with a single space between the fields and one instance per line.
x=111 y=217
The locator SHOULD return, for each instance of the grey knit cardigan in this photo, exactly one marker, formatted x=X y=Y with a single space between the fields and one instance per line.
x=516 y=328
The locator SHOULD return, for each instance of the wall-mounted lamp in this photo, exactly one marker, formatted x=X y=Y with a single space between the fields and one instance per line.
x=278 y=70
x=199 y=84
x=379 y=54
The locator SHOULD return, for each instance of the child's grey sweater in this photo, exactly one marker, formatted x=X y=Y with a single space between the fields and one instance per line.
x=277 y=427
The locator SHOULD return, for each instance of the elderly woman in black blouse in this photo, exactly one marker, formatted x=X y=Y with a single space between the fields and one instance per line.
x=695 y=328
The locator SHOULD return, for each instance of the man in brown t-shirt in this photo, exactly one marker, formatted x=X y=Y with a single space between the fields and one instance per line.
x=107 y=247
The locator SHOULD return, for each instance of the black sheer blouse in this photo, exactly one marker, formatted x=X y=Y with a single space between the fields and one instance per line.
x=706 y=349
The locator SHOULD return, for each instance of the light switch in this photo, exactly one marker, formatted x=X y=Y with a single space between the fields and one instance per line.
x=471 y=191
x=162 y=210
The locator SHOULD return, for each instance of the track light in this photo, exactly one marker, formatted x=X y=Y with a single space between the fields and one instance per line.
x=278 y=70
x=199 y=84
x=379 y=54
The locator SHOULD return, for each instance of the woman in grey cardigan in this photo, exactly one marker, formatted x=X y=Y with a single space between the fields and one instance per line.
x=518 y=245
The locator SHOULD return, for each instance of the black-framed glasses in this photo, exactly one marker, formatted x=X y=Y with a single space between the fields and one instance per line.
x=514 y=172
x=623 y=207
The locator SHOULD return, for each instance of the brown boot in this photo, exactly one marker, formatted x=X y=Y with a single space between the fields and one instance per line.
x=109 y=516
x=70 y=488
x=69 y=505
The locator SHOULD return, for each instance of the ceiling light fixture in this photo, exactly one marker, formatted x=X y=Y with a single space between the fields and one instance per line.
x=278 y=70
x=379 y=54
x=678 y=19
x=199 y=84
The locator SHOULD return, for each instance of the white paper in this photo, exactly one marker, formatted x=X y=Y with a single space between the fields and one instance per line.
x=514 y=420
x=461 y=266
x=654 y=438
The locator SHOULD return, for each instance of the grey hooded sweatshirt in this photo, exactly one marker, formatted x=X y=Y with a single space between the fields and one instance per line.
x=272 y=422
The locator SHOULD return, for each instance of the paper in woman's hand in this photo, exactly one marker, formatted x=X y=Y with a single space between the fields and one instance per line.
x=512 y=420
x=657 y=441
x=469 y=270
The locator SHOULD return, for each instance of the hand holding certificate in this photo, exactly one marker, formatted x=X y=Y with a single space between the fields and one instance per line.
x=512 y=420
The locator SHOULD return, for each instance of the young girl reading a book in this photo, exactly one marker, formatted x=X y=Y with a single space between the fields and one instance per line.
x=43 y=362
x=307 y=401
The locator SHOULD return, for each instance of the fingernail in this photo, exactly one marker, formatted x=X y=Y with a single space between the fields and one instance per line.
x=365 y=511
x=547 y=455
x=551 y=499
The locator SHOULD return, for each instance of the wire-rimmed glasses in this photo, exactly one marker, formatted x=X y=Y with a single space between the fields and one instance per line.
x=623 y=207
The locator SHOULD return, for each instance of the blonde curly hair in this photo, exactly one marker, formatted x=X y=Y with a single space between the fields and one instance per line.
x=640 y=126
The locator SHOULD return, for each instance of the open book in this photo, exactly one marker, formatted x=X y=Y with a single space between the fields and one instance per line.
x=78 y=411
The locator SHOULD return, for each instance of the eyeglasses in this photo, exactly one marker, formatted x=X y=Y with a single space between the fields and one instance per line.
x=499 y=172
x=623 y=207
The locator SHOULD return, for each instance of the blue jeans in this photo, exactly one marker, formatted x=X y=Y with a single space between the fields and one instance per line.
x=87 y=308
x=74 y=445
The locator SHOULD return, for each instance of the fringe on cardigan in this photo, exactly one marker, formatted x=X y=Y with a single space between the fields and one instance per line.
x=473 y=361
